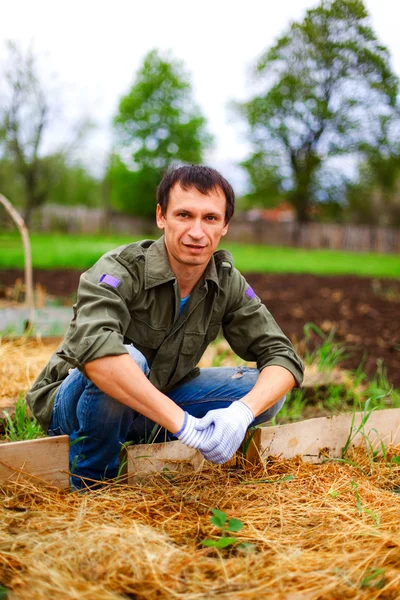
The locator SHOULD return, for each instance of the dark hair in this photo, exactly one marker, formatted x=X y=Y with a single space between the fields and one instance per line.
x=204 y=179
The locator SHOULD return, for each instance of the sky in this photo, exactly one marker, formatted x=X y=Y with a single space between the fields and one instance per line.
x=91 y=49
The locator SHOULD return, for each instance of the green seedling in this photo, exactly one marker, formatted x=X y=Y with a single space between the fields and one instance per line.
x=333 y=493
x=374 y=578
x=78 y=456
x=281 y=480
x=248 y=440
x=21 y=426
x=220 y=520
x=362 y=509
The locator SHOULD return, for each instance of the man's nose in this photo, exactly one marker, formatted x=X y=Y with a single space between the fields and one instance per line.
x=196 y=230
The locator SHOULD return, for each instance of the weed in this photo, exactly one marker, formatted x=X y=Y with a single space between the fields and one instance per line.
x=370 y=579
x=362 y=509
x=333 y=493
x=78 y=456
x=329 y=354
x=359 y=430
x=220 y=520
x=281 y=480
x=293 y=408
x=379 y=390
x=21 y=426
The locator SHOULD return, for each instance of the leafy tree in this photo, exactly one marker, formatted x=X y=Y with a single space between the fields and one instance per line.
x=26 y=116
x=157 y=125
x=375 y=198
x=326 y=85
x=75 y=186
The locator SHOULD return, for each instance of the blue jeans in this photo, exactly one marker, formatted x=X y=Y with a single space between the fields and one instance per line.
x=98 y=425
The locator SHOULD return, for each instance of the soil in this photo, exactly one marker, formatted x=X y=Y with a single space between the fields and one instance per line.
x=363 y=312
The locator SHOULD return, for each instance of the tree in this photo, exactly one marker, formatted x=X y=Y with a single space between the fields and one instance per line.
x=375 y=198
x=157 y=125
x=327 y=83
x=26 y=114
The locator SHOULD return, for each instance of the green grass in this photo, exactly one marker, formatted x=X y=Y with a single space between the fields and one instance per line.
x=60 y=251
x=21 y=426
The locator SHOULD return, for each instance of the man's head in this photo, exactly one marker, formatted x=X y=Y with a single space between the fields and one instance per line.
x=194 y=207
x=204 y=179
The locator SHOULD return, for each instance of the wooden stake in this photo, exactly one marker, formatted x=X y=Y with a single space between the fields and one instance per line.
x=20 y=223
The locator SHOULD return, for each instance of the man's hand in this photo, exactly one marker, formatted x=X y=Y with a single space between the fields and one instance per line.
x=229 y=428
x=191 y=436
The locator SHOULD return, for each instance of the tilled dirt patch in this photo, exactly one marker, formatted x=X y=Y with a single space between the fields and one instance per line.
x=363 y=312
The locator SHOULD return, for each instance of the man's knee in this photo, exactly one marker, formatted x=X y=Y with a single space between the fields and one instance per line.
x=139 y=358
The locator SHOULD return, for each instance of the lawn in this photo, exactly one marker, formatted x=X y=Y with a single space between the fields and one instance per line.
x=80 y=252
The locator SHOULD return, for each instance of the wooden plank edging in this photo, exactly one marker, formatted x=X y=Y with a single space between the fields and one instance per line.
x=313 y=440
x=45 y=460
x=317 y=438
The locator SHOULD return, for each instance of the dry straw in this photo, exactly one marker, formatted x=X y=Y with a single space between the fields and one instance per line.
x=20 y=363
x=330 y=532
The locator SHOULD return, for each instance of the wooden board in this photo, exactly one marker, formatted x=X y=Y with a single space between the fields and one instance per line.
x=45 y=460
x=314 y=440
x=144 y=459
x=326 y=436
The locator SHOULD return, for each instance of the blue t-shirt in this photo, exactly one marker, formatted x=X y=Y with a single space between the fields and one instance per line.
x=183 y=302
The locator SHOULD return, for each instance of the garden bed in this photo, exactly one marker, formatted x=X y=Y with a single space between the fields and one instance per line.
x=309 y=532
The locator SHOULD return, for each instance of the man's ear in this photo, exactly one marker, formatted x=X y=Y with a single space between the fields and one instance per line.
x=159 y=217
x=225 y=229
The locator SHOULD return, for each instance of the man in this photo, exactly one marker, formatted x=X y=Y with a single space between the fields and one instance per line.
x=144 y=315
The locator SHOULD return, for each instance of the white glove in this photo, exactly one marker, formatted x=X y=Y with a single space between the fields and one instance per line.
x=230 y=426
x=191 y=436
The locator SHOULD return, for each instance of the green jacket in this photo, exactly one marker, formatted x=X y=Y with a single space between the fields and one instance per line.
x=131 y=296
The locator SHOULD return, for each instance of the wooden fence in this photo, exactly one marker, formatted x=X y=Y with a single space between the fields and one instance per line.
x=356 y=238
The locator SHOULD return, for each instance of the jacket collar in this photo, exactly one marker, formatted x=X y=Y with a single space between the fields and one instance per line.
x=158 y=270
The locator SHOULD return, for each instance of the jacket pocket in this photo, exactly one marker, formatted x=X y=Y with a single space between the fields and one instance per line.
x=143 y=334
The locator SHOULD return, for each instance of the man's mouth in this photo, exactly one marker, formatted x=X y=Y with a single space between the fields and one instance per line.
x=194 y=246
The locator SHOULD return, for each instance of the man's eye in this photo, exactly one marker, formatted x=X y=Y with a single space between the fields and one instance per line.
x=210 y=218
x=183 y=214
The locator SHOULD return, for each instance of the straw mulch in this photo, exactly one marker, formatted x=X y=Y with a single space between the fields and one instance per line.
x=22 y=360
x=332 y=532
x=20 y=363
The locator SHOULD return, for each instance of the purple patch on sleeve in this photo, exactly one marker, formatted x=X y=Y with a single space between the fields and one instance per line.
x=110 y=280
x=250 y=293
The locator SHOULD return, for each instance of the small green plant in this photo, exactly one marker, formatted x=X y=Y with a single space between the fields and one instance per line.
x=329 y=354
x=374 y=578
x=220 y=520
x=3 y=592
x=354 y=431
x=362 y=509
x=78 y=456
x=21 y=426
x=333 y=493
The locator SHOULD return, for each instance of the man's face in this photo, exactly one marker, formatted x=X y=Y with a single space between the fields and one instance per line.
x=193 y=225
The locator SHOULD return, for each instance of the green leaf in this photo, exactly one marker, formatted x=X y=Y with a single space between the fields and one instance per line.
x=234 y=525
x=79 y=439
x=371 y=579
x=223 y=542
x=219 y=519
x=395 y=460
x=3 y=593
x=281 y=480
